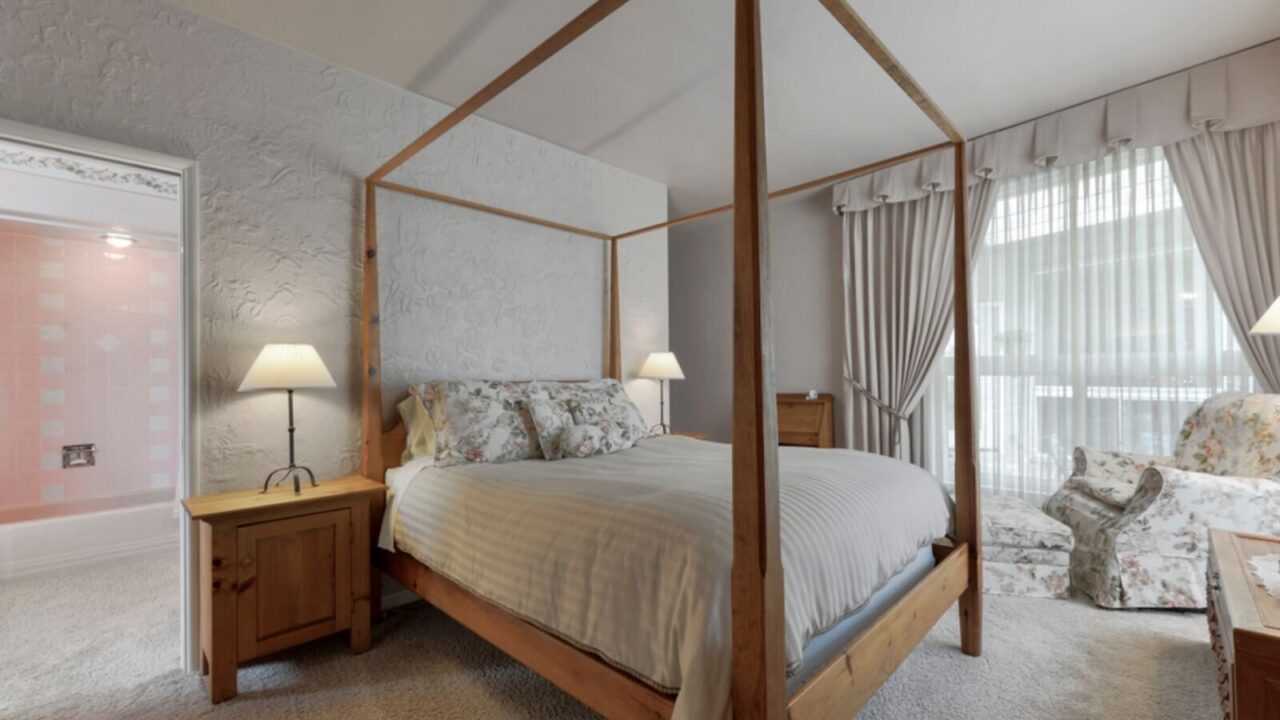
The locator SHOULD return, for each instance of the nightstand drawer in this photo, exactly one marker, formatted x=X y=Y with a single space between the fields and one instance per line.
x=294 y=580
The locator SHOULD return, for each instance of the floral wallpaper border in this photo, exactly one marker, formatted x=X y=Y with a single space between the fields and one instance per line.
x=76 y=167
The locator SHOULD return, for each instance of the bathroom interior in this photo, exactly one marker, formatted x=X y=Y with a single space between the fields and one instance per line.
x=91 y=359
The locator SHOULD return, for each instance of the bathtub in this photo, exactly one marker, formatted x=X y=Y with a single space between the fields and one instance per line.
x=58 y=543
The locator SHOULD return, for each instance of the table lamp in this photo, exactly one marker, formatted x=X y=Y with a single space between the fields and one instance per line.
x=288 y=368
x=662 y=366
x=1269 y=323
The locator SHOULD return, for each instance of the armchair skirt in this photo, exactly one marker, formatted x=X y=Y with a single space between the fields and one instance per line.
x=1141 y=523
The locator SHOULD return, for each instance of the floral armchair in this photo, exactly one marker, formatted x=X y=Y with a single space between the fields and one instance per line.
x=1141 y=522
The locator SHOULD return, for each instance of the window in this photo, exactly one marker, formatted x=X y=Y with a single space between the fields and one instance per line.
x=1094 y=324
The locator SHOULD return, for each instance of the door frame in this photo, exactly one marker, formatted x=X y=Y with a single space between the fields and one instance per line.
x=188 y=200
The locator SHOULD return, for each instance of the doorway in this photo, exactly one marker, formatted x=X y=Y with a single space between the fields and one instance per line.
x=96 y=350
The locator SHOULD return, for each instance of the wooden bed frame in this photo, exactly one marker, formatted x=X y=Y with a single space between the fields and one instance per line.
x=840 y=689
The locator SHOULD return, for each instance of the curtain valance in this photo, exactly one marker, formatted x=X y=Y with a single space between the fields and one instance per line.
x=1230 y=93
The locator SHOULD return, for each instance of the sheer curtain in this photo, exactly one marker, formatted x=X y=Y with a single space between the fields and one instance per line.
x=1095 y=324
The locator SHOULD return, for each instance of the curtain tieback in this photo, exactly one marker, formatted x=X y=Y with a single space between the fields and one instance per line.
x=895 y=430
x=871 y=398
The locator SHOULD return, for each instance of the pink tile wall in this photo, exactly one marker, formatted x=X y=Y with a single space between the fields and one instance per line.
x=89 y=353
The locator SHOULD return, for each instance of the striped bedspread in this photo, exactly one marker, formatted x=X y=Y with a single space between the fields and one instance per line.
x=629 y=554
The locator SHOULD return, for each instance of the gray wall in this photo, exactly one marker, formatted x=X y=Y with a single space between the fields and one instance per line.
x=283 y=140
x=807 y=311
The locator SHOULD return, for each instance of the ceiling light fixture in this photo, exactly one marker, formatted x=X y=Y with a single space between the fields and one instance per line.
x=118 y=240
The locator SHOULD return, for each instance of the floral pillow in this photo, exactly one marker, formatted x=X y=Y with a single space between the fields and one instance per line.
x=480 y=421
x=602 y=401
x=551 y=418
x=561 y=408
x=582 y=441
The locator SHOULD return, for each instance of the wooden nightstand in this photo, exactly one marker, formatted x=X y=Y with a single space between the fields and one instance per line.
x=806 y=422
x=278 y=569
x=694 y=435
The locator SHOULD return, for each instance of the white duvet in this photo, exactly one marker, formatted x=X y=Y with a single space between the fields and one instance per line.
x=629 y=554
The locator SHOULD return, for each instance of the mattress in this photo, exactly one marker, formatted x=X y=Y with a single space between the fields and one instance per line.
x=823 y=648
x=628 y=555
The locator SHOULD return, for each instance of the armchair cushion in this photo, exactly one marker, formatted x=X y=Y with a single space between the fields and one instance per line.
x=1109 y=476
x=1173 y=510
x=1232 y=434
x=1012 y=523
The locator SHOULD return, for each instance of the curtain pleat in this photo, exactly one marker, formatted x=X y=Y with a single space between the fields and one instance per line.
x=899 y=292
x=1232 y=93
x=1095 y=324
x=1231 y=185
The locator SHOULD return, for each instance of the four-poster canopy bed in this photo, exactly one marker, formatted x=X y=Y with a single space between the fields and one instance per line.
x=758 y=669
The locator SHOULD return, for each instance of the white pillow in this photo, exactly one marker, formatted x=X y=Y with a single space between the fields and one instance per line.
x=420 y=432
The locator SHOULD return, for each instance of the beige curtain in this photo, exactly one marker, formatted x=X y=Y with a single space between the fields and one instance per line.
x=1230 y=185
x=898 y=298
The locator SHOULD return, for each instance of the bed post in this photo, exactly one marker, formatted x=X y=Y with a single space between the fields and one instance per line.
x=371 y=460
x=759 y=660
x=615 y=315
x=968 y=502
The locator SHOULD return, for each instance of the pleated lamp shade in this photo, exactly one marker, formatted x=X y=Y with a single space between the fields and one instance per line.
x=287 y=367
x=1269 y=323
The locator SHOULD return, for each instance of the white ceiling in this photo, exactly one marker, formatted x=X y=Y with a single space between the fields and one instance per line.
x=650 y=89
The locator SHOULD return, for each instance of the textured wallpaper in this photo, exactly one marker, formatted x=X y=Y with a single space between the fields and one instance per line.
x=494 y=300
x=283 y=140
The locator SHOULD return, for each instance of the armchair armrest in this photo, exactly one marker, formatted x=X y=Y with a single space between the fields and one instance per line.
x=1175 y=508
x=1114 y=465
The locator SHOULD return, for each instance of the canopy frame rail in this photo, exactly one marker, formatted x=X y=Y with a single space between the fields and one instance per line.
x=757 y=579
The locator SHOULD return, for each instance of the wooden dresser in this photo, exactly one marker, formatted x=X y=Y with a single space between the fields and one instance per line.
x=1244 y=626
x=802 y=421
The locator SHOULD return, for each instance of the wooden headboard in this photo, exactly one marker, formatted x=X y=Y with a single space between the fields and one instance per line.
x=393 y=442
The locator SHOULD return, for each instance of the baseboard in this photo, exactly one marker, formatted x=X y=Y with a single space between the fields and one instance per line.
x=71 y=560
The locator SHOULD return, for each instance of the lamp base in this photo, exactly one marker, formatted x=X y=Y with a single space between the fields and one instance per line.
x=284 y=472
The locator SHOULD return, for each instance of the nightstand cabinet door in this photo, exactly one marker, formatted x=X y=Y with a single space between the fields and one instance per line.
x=294 y=581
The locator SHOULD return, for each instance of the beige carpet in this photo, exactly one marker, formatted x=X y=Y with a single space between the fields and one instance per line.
x=102 y=644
